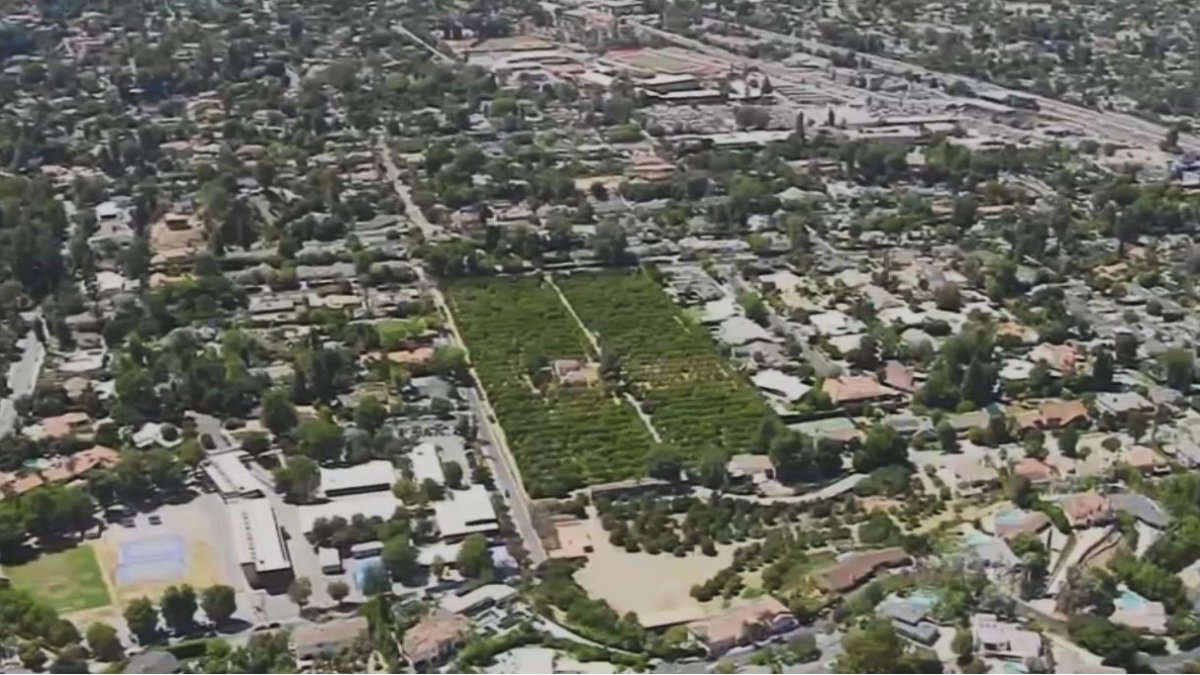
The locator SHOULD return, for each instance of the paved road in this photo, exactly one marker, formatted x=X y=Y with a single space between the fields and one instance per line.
x=498 y=455
x=432 y=50
x=411 y=210
x=22 y=376
x=507 y=479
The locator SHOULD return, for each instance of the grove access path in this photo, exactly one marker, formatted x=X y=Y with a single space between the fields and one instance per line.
x=591 y=337
x=683 y=392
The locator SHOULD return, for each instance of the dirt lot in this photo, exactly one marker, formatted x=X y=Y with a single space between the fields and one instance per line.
x=655 y=587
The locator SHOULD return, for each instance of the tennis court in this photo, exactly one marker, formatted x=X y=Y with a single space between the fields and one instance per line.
x=161 y=558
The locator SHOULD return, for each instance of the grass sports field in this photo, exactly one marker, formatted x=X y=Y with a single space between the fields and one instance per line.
x=68 y=581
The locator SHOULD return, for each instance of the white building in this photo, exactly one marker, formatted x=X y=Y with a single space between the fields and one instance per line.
x=372 y=476
x=230 y=476
x=427 y=464
x=261 y=551
x=380 y=504
x=465 y=512
x=780 y=384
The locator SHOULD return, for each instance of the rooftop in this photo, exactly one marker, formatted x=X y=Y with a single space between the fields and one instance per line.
x=465 y=512
x=259 y=541
x=376 y=474
x=426 y=640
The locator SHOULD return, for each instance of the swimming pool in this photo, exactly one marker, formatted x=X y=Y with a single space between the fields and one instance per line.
x=924 y=597
x=1129 y=600
x=976 y=538
x=1009 y=516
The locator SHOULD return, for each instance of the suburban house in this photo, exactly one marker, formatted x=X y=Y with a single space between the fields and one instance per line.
x=856 y=390
x=750 y=468
x=1062 y=358
x=1087 y=509
x=910 y=617
x=1052 y=415
x=998 y=639
x=1146 y=460
x=851 y=571
x=324 y=639
x=761 y=618
x=435 y=638
x=1034 y=470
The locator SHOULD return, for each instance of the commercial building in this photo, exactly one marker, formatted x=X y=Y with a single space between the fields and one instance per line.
x=261 y=550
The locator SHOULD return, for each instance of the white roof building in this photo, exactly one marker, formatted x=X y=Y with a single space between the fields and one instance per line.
x=465 y=512
x=228 y=472
x=371 y=505
x=1002 y=639
x=778 y=383
x=151 y=433
x=377 y=474
x=739 y=330
x=258 y=540
x=427 y=464
x=835 y=323
x=484 y=596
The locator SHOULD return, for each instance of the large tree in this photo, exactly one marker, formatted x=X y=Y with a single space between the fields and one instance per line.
x=1103 y=370
x=1179 y=368
x=370 y=415
x=278 y=413
x=103 y=641
x=400 y=557
x=178 y=607
x=300 y=591
x=711 y=471
x=873 y=648
x=219 y=603
x=883 y=447
x=474 y=558
x=298 y=480
x=337 y=590
x=322 y=438
x=142 y=619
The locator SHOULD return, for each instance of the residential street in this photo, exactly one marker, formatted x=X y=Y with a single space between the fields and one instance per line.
x=497 y=453
x=22 y=376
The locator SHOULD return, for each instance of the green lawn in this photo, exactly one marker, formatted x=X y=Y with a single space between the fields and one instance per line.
x=68 y=581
